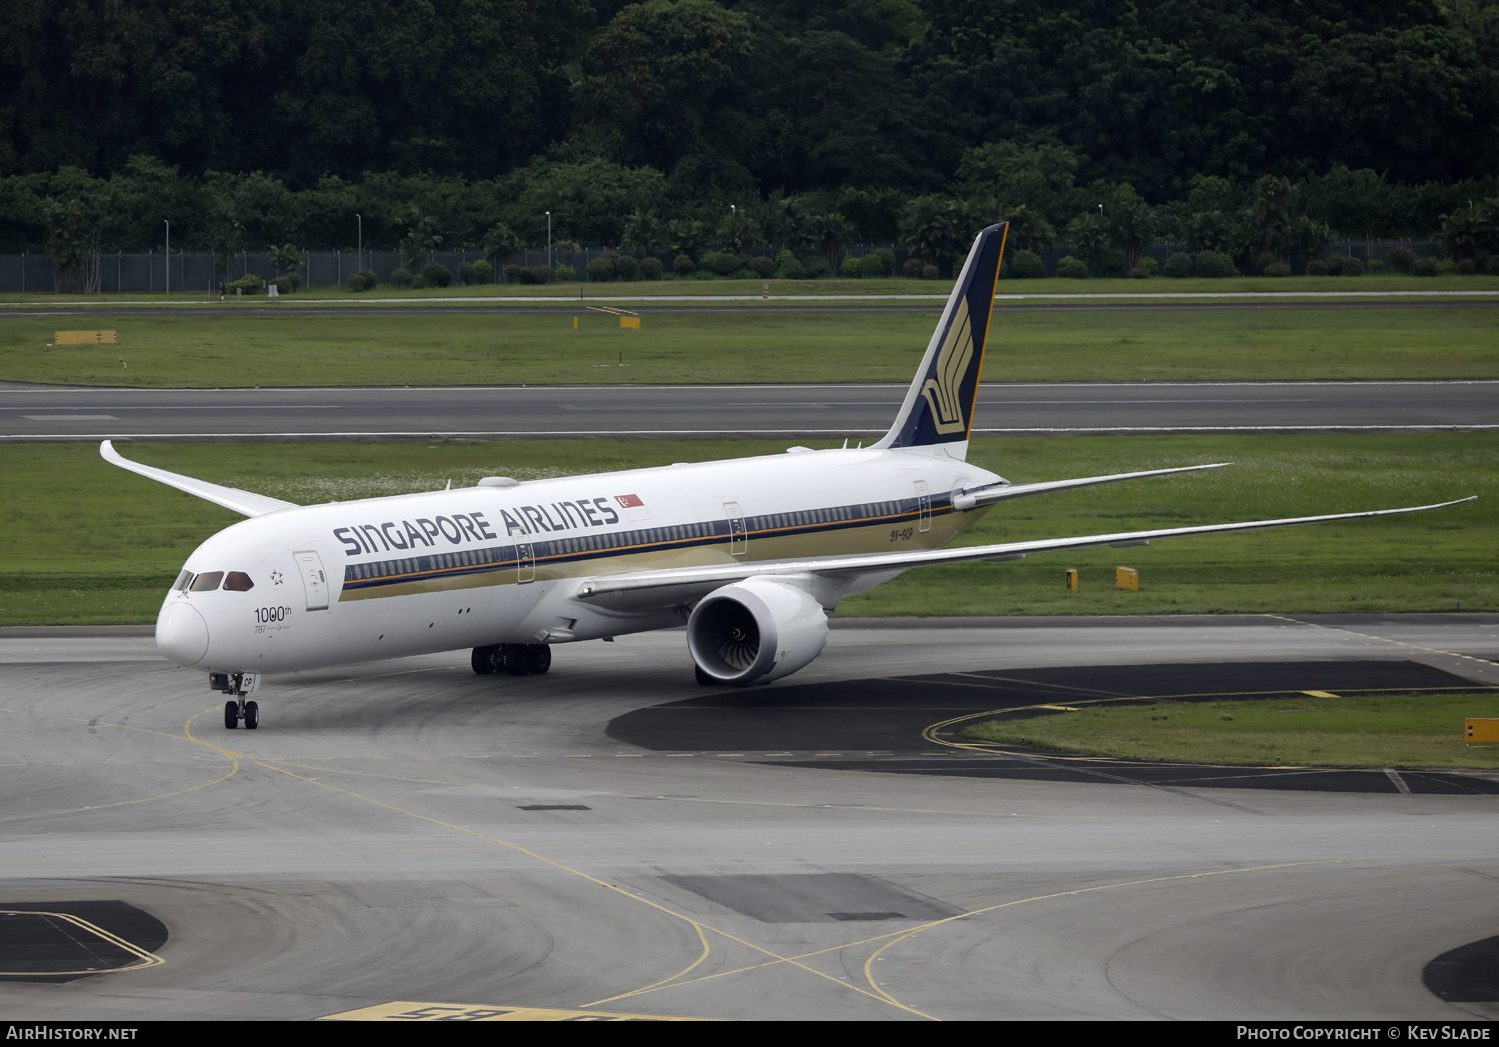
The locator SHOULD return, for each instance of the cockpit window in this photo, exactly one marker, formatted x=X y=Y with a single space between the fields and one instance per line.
x=206 y=582
x=181 y=582
x=238 y=582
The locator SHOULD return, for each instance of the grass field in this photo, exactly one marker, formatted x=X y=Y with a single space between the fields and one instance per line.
x=89 y=543
x=1422 y=730
x=251 y=348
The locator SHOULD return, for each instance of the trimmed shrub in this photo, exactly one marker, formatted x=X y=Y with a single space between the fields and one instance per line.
x=720 y=263
x=1145 y=267
x=1072 y=268
x=601 y=269
x=851 y=268
x=877 y=263
x=1493 y=267
x=1402 y=258
x=1263 y=261
x=1467 y=267
x=1353 y=266
x=1215 y=266
x=816 y=267
x=1026 y=265
x=651 y=268
x=1334 y=263
x=465 y=273
x=363 y=280
x=1376 y=266
x=436 y=274
x=1178 y=266
x=247 y=284
x=1113 y=261
x=929 y=272
x=401 y=277
x=1277 y=269
x=914 y=268
x=683 y=266
x=790 y=269
x=417 y=283
x=626 y=267
x=762 y=267
x=286 y=283
x=483 y=272
x=566 y=274
x=1316 y=267
x=1446 y=267
x=512 y=273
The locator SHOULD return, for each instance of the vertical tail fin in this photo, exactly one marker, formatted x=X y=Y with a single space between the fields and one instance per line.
x=938 y=409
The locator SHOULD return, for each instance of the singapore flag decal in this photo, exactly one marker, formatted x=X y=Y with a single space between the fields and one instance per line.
x=633 y=506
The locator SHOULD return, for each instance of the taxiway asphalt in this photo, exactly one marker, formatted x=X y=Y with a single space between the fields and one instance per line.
x=610 y=837
x=776 y=411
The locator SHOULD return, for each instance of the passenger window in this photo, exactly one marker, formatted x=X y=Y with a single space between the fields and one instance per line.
x=181 y=582
x=238 y=582
x=207 y=582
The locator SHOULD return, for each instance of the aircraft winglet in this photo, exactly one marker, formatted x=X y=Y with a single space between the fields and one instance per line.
x=246 y=503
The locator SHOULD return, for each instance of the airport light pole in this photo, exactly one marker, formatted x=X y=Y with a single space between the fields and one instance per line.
x=168 y=262
x=359 y=263
x=549 y=239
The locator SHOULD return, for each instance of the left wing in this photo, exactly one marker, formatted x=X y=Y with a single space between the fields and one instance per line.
x=989 y=494
x=649 y=590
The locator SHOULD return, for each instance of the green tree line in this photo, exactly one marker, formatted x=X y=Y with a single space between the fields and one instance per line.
x=1250 y=130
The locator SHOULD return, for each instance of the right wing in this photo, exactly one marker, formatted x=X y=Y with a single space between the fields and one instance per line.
x=652 y=590
x=246 y=503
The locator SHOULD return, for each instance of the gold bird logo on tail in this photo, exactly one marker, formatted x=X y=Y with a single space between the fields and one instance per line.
x=943 y=393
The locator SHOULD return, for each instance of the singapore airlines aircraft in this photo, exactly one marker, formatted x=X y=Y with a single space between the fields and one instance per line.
x=751 y=554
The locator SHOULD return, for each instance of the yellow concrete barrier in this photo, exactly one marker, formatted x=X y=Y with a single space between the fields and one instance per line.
x=83 y=337
x=1072 y=579
x=1127 y=578
x=630 y=321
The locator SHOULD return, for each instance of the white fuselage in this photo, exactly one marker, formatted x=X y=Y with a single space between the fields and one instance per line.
x=348 y=582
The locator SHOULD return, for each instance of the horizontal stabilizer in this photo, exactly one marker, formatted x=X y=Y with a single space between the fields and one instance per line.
x=644 y=590
x=246 y=503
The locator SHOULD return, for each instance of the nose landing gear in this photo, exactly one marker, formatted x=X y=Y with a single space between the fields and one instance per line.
x=237 y=709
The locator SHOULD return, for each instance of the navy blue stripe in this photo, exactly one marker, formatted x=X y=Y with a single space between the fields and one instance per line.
x=464 y=563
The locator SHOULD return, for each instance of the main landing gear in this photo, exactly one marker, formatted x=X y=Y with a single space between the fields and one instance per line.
x=517 y=659
x=236 y=708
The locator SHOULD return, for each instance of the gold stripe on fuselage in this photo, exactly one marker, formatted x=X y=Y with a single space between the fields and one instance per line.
x=851 y=537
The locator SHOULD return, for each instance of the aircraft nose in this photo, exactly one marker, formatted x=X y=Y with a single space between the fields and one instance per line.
x=182 y=634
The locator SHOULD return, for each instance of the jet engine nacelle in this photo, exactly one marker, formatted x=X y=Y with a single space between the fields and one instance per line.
x=756 y=631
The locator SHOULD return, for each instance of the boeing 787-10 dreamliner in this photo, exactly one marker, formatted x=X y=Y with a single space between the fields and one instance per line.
x=751 y=554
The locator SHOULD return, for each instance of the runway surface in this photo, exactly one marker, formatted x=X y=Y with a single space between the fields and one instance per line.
x=408 y=837
x=856 y=411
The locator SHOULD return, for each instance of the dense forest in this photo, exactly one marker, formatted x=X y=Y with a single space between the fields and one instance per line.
x=686 y=125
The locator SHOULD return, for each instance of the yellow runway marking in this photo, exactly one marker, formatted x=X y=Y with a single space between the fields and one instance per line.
x=699 y=926
x=406 y=1011
x=902 y=936
x=233 y=769
x=1382 y=639
x=144 y=959
x=929 y=733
